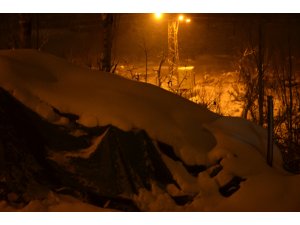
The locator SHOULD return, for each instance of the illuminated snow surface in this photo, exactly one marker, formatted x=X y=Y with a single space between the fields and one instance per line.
x=198 y=136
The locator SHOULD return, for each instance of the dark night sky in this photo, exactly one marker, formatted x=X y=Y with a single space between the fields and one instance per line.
x=207 y=34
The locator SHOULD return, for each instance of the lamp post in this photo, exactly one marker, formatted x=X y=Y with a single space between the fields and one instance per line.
x=173 y=50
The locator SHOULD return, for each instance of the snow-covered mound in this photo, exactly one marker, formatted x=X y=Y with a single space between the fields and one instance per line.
x=217 y=163
x=41 y=80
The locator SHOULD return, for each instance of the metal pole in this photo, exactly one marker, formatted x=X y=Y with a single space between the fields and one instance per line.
x=173 y=55
x=270 y=131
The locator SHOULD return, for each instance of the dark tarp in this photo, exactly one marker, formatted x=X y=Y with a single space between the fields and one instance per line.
x=122 y=163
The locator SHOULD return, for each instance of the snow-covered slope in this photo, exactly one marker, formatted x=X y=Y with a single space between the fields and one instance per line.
x=232 y=149
x=102 y=98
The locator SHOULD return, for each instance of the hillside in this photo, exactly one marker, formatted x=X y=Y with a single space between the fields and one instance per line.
x=74 y=139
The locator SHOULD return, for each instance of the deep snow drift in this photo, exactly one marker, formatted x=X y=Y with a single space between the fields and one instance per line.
x=230 y=148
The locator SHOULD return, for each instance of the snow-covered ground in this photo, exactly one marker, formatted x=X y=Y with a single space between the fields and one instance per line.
x=214 y=90
x=198 y=136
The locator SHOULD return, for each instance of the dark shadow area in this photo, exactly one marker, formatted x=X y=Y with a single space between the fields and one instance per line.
x=231 y=187
x=122 y=163
x=168 y=150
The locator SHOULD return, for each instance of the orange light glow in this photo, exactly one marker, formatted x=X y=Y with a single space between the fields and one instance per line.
x=186 y=68
x=181 y=17
x=158 y=15
x=188 y=20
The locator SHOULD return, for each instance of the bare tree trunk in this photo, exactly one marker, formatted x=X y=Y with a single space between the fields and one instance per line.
x=108 y=23
x=113 y=70
x=146 y=57
x=145 y=48
x=290 y=109
x=260 y=77
x=25 y=30
x=247 y=107
x=37 y=31
x=159 y=78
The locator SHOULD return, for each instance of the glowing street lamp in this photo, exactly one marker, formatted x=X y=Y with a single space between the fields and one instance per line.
x=180 y=17
x=158 y=15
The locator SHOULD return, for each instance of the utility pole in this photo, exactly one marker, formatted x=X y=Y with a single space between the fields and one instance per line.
x=173 y=52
